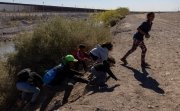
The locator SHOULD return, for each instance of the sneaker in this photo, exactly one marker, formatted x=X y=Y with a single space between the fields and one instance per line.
x=124 y=61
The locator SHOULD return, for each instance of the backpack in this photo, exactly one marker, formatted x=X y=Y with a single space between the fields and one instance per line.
x=51 y=74
x=23 y=75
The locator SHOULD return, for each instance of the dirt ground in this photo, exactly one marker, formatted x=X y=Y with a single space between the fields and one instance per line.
x=155 y=89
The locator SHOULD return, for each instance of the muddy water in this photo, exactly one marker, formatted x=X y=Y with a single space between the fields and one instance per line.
x=5 y=48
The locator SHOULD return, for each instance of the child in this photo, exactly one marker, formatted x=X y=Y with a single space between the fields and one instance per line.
x=81 y=55
x=99 y=72
x=65 y=77
x=142 y=30
x=100 y=53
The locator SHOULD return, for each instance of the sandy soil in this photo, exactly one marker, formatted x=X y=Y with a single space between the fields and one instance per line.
x=155 y=89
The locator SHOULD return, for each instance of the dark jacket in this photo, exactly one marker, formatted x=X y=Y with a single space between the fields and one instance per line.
x=105 y=67
x=145 y=27
x=62 y=74
x=33 y=78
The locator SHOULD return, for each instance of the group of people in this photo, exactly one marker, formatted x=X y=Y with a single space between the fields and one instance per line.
x=66 y=74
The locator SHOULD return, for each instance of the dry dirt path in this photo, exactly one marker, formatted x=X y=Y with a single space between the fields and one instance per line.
x=160 y=90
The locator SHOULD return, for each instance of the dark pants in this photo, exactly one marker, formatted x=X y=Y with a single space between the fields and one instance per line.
x=99 y=78
x=137 y=43
x=67 y=85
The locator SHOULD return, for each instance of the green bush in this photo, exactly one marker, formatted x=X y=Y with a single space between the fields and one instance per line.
x=50 y=41
x=112 y=16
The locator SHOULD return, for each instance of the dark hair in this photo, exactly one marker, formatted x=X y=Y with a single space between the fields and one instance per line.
x=150 y=13
x=82 y=46
x=111 y=60
x=107 y=45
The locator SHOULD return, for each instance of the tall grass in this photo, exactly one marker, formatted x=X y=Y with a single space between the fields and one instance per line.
x=6 y=86
x=112 y=16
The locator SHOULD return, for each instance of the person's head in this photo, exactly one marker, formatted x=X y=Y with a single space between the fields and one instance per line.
x=107 y=45
x=82 y=47
x=69 y=60
x=150 y=16
x=111 y=61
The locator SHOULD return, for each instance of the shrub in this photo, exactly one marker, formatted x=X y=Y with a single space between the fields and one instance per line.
x=50 y=41
x=112 y=16
x=6 y=87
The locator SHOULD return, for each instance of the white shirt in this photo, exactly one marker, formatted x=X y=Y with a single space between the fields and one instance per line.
x=100 y=52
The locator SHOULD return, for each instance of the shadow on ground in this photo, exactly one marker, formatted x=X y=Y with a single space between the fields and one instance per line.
x=95 y=89
x=146 y=81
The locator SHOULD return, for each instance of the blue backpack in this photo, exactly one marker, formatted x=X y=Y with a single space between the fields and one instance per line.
x=51 y=74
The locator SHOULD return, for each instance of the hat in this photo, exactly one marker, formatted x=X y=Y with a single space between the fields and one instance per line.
x=70 y=58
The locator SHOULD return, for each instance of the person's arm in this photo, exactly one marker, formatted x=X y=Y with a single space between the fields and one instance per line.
x=106 y=67
x=108 y=70
x=74 y=72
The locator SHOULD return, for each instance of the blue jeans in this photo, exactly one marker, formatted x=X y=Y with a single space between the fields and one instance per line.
x=28 y=88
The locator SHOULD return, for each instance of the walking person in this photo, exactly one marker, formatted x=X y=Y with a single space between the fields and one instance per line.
x=142 y=30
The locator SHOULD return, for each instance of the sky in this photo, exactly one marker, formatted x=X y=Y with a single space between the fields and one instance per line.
x=133 y=5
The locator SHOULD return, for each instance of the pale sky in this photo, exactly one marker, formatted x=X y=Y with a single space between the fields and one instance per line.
x=133 y=5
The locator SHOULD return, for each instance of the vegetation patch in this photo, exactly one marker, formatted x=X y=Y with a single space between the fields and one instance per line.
x=111 y=17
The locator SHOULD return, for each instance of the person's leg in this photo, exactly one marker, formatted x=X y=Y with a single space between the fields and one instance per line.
x=134 y=47
x=99 y=77
x=48 y=94
x=102 y=78
x=143 y=54
x=27 y=88
x=69 y=86
x=35 y=95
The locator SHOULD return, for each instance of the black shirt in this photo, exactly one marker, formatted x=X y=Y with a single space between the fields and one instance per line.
x=105 y=68
x=145 y=27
